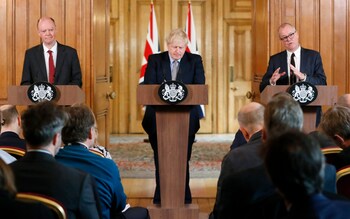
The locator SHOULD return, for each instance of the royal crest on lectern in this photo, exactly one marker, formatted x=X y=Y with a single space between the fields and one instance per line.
x=172 y=91
x=41 y=91
x=303 y=92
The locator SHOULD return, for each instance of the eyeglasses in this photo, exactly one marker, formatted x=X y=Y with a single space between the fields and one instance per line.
x=289 y=36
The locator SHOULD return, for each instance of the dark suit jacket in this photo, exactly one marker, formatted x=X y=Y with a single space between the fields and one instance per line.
x=242 y=158
x=14 y=209
x=310 y=64
x=39 y=172
x=342 y=159
x=243 y=192
x=67 y=70
x=239 y=140
x=319 y=206
x=191 y=71
x=12 y=139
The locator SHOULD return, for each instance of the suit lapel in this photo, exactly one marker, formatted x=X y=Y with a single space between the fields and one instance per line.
x=59 y=60
x=41 y=60
x=285 y=62
x=166 y=66
x=302 y=60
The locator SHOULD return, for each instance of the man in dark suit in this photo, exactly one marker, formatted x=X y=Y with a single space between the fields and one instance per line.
x=39 y=172
x=65 y=59
x=251 y=120
x=307 y=63
x=11 y=128
x=305 y=66
x=159 y=69
x=15 y=209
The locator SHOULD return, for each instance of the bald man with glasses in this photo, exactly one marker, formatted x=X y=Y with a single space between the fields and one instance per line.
x=306 y=65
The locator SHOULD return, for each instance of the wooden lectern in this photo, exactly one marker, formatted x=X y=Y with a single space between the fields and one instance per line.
x=67 y=95
x=327 y=96
x=172 y=129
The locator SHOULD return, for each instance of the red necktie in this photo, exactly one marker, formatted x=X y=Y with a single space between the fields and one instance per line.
x=51 y=68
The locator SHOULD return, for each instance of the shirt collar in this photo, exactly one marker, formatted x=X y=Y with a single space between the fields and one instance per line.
x=53 y=49
x=39 y=150
x=172 y=60
x=296 y=52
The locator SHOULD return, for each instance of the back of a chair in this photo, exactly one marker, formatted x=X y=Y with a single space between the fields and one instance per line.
x=16 y=152
x=49 y=202
x=330 y=153
x=343 y=181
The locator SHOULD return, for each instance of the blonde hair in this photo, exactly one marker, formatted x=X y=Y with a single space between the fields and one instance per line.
x=177 y=34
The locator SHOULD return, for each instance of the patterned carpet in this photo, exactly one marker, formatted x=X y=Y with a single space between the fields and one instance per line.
x=134 y=157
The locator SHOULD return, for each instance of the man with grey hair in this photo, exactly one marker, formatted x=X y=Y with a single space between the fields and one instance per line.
x=174 y=64
x=293 y=64
x=241 y=192
x=282 y=113
x=335 y=123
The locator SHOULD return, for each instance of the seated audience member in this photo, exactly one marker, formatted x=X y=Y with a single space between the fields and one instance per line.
x=39 y=172
x=336 y=124
x=12 y=208
x=250 y=119
x=241 y=192
x=6 y=157
x=344 y=100
x=11 y=127
x=79 y=135
x=296 y=165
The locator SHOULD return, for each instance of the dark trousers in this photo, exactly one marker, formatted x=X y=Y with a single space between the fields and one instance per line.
x=154 y=144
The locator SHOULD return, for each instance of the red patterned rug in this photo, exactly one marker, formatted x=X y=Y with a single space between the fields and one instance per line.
x=135 y=159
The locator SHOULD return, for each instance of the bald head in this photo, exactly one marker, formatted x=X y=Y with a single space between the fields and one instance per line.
x=251 y=118
x=344 y=100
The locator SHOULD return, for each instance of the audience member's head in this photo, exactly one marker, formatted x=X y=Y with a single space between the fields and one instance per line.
x=42 y=125
x=7 y=180
x=251 y=119
x=335 y=123
x=323 y=139
x=295 y=164
x=344 y=100
x=10 y=119
x=282 y=113
x=81 y=126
